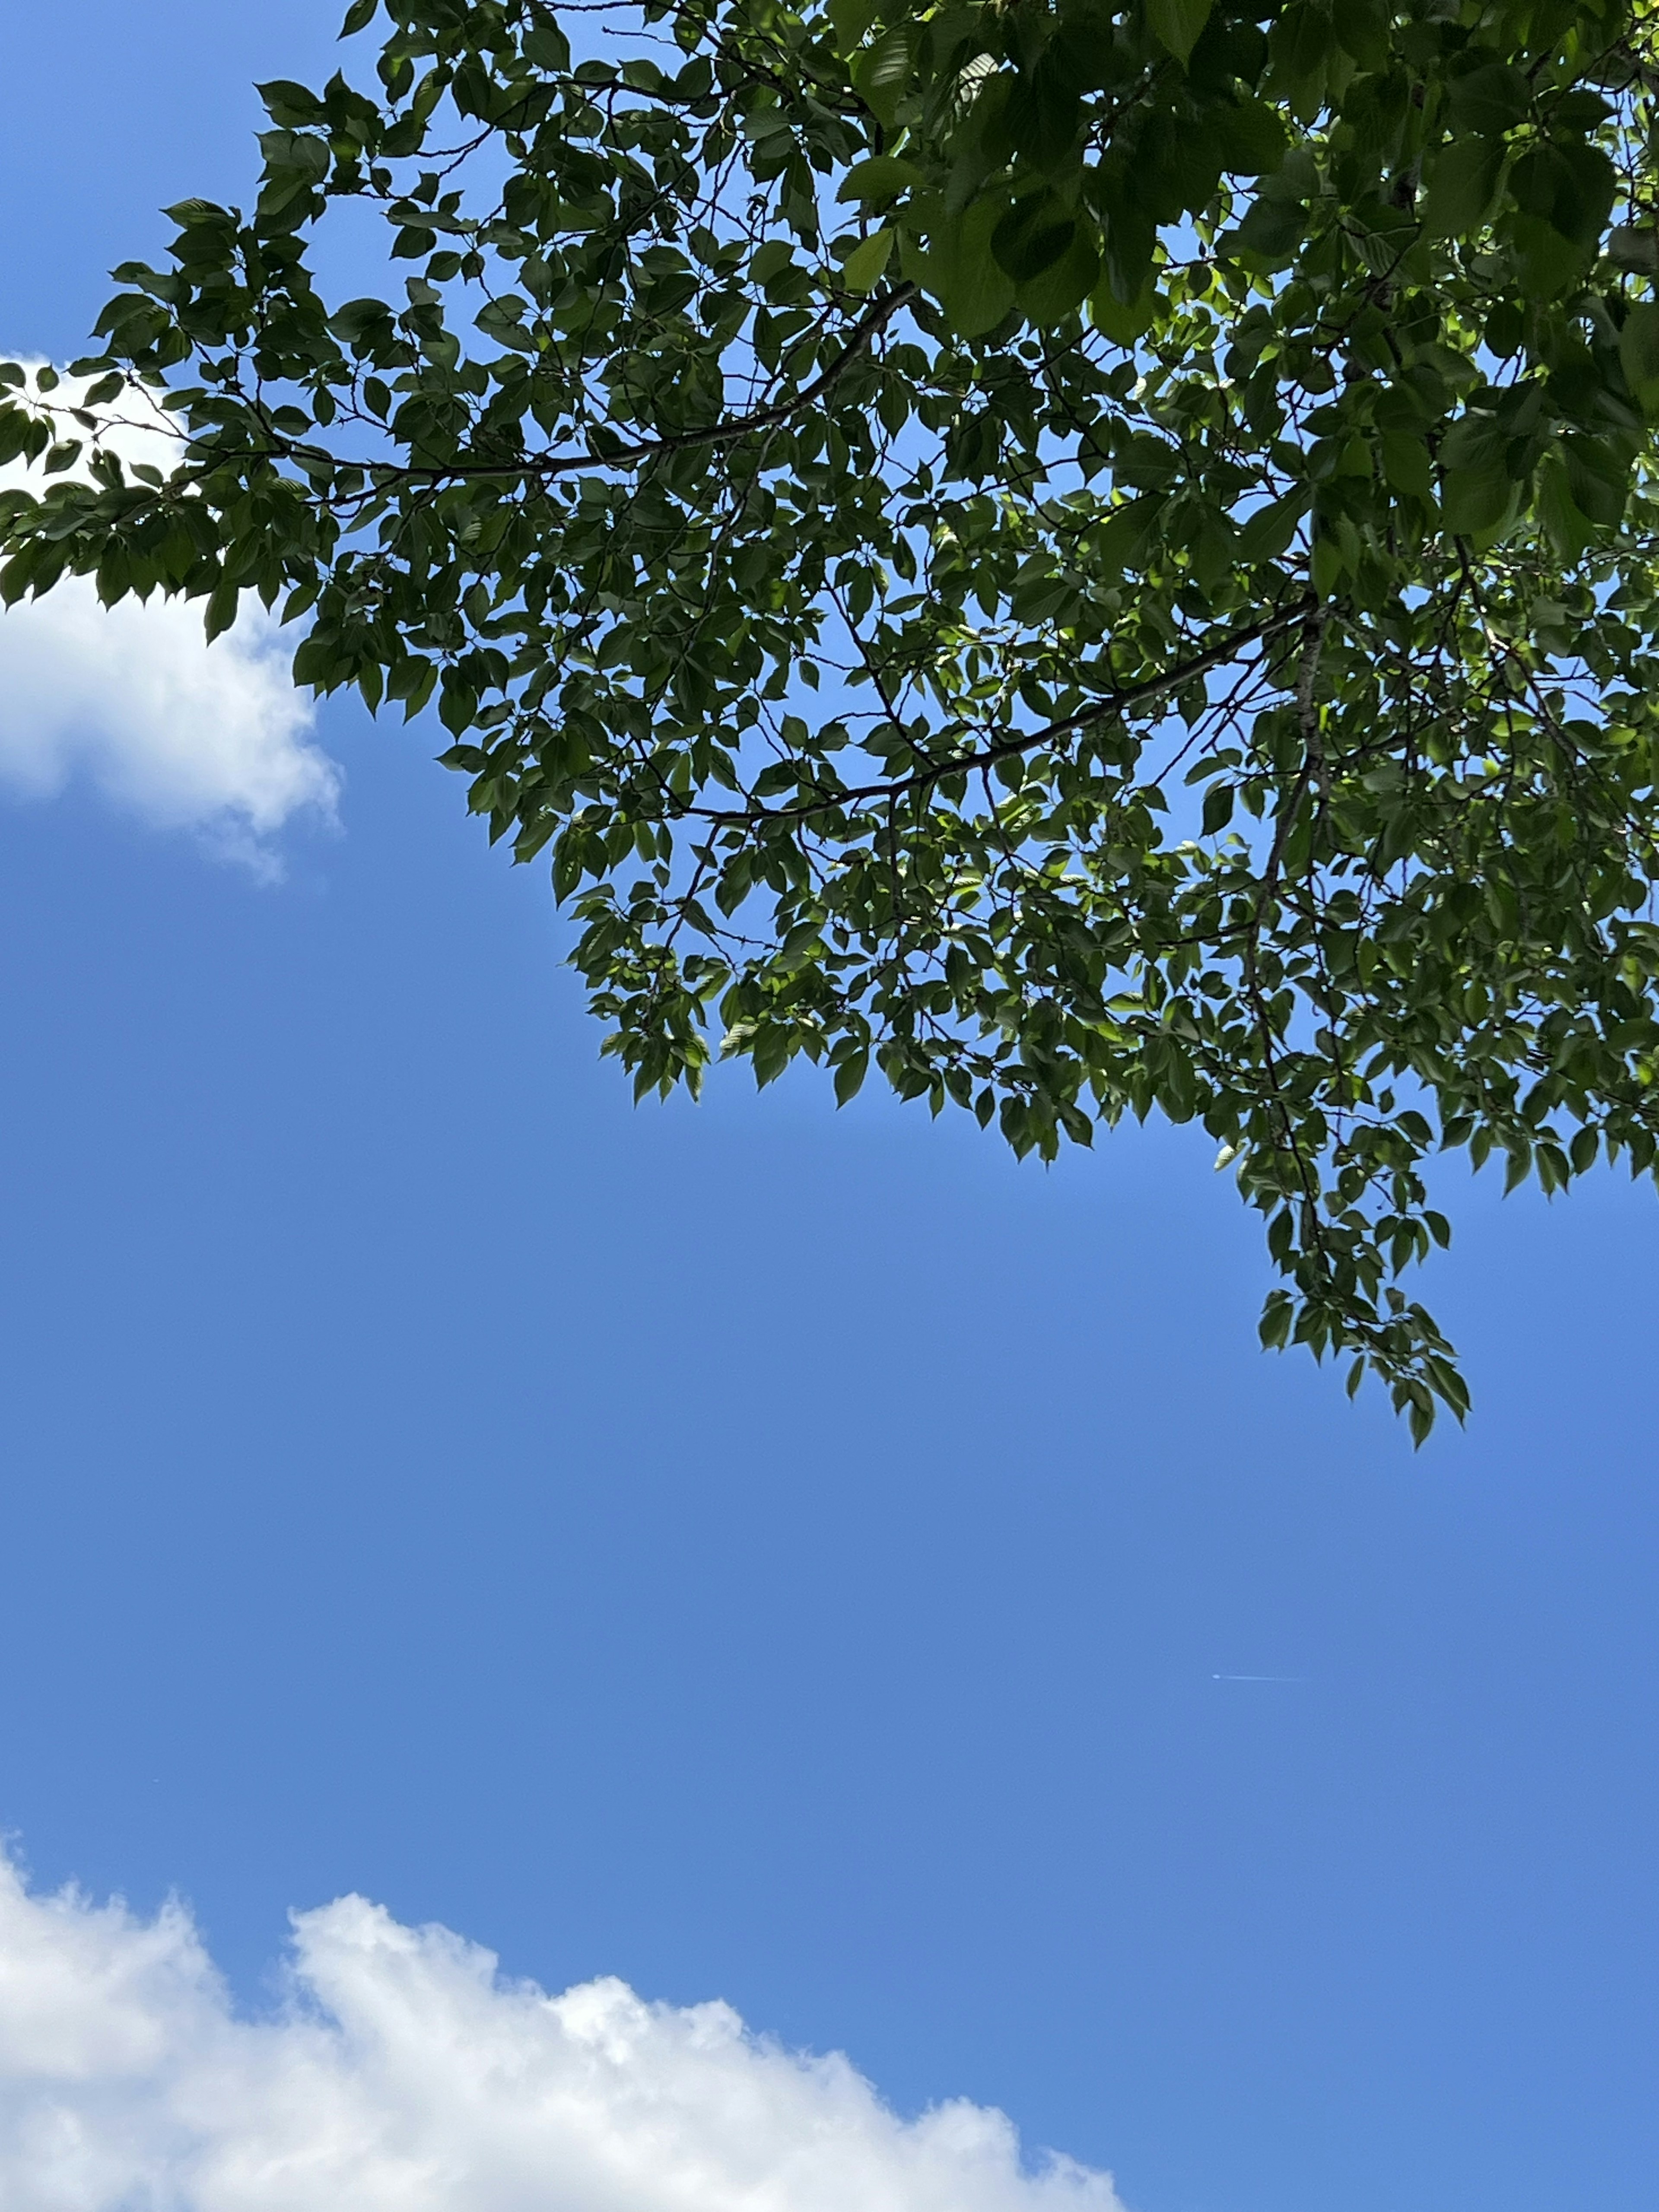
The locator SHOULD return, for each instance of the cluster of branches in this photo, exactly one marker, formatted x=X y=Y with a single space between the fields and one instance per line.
x=1093 y=558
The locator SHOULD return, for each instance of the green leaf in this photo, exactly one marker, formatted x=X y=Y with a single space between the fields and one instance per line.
x=1251 y=136
x=1638 y=353
x=1175 y=24
x=289 y=104
x=770 y=260
x=1405 y=456
x=852 y=19
x=358 y=17
x=222 y=610
x=974 y=292
x=1547 y=262
x=1574 y=184
x=1637 y=250
x=863 y=267
x=1362 y=29
x=1569 y=530
x=1327 y=567
x=1271 y=231
x=1474 y=499
x=1268 y=531
x=1598 y=478
x=1277 y=1315
x=1506 y=329
x=882 y=74
x=1032 y=236
x=1060 y=290
x=882 y=177
x=1123 y=324
x=1488 y=101
x=1301 y=43
x=1130 y=238
x=1043 y=112
x=547 y=47
x=849 y=1077
x=1462 y=185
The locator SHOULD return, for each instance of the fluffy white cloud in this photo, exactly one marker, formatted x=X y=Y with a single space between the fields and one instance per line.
x=403 y=2074
x=185 y=734
x=213 y=738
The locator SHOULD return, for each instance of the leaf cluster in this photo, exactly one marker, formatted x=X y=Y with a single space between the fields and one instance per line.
x=1092 y=559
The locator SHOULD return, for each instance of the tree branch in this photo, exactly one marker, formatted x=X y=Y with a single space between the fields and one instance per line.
x=869 y=325
x=1134 y=695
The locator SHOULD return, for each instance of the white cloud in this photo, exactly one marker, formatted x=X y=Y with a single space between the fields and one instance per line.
x=213 y=738
x=403 y=2074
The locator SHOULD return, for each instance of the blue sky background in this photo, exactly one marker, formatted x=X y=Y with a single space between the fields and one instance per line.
x=764 y=1552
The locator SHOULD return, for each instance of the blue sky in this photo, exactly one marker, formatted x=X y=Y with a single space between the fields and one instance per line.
x=761 y=1553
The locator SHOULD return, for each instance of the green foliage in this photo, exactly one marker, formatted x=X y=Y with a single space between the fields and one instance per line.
x=1094 y=559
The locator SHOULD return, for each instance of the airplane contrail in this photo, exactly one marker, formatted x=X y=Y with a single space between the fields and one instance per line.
x=1258 y=1678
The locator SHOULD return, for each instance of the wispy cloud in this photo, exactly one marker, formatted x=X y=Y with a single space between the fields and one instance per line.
x=209 y=739
x=405 y=2074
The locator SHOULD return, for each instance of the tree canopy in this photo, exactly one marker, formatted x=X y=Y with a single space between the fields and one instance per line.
x=1094 y=558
